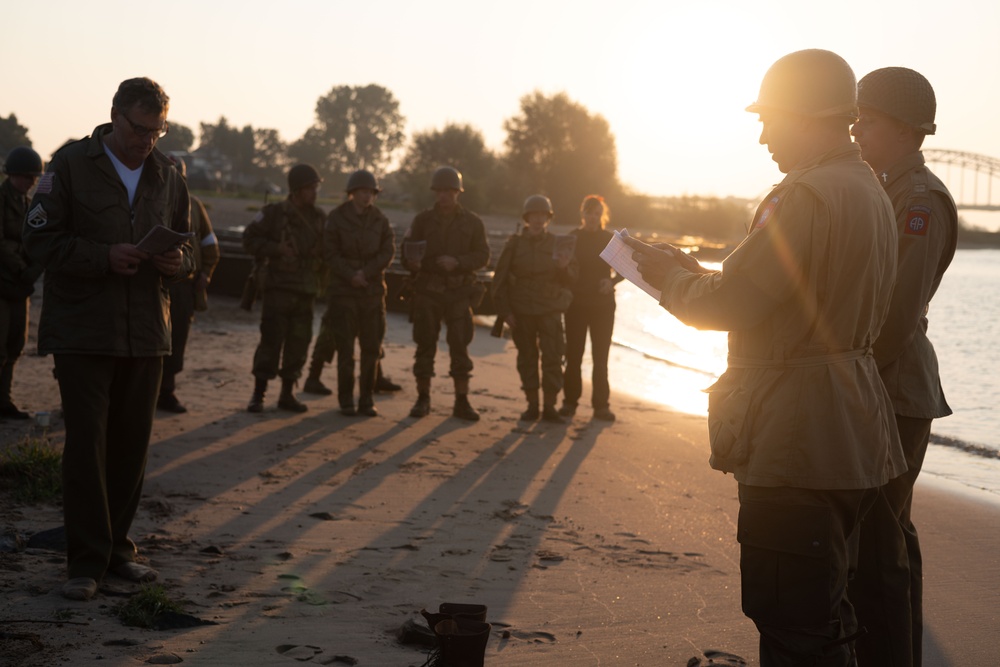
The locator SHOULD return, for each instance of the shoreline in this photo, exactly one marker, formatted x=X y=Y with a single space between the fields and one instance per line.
x=316 y=535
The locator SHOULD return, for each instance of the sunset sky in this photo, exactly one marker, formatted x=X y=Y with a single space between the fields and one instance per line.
x=671 y=78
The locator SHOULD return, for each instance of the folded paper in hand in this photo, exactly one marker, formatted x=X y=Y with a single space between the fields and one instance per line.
x=619 y=256
x=160 y=239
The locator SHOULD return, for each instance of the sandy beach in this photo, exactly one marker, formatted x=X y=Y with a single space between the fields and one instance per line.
x=314 y=538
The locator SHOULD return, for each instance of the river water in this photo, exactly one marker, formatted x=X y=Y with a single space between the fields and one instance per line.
x=658 y=358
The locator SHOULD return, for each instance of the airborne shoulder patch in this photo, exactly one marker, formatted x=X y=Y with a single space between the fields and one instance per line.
x=918 y=220
x=766 y=212
x=37 y=217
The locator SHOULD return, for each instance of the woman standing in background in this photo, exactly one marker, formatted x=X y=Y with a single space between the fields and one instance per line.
x=593 y=307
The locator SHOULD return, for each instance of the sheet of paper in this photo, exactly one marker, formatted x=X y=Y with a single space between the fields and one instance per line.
x=619 y=256
x=160 y=239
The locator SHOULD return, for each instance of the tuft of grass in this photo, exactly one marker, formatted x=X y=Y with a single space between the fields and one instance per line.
x=33 y=468
x=142 y=609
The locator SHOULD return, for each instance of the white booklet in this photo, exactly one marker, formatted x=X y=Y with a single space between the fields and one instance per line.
x=619 y=256
x=160 y=239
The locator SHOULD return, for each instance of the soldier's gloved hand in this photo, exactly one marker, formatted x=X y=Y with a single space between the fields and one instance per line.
x=168 y=263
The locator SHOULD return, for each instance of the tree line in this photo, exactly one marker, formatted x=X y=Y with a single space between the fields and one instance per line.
x=554 y=146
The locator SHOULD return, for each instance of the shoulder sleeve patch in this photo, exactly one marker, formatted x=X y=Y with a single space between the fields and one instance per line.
x=258 y=217
x=766 y=211
x=37 y=217
x=44 y=186
x=918 y=220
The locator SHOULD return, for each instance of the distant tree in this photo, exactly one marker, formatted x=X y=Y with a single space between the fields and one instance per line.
x=12 y=135
x=357 y=127
x=457 y=145
x=558 y=148
x=179 y=138
x=230 y=150
x=270 y=155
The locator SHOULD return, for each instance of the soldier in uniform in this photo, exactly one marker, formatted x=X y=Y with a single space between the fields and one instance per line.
x=897 y=108
x=358 y=245
x=286 y=238
x=531 y=290
x=188 y=296
x=593 y=308
x=18 y=274
x=453 y=247
x=800 y=416
x=105 y=319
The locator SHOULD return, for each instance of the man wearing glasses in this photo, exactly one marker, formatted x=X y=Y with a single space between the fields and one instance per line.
x=105 y=319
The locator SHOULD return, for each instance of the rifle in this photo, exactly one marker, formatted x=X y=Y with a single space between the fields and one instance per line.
x=251 y=288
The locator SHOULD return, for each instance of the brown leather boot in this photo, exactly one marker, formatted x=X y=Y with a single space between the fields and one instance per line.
x=422 y=407
x=549 y=412
x=532 y=413
x=287 y=400
x=462 y=409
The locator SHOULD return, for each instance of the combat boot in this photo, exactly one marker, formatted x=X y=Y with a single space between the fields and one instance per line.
x=384 y=385
x=532 y=413
x=257 y=399
x=313 y=385
x=462 y=409
x=549 y=412
x=287 y=400
x=422 y=407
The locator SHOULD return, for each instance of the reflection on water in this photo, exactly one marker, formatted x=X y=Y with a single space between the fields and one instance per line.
x=675 y=362
x=657 y=358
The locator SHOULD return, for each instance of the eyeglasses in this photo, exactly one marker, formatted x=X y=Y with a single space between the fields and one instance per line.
x=142 y=132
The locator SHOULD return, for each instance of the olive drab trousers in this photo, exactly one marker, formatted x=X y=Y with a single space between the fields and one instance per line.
x=285 y=333
x=108 y=405
x=362 y=319
x=540 y=335
x=797 y=553
x=428 y=312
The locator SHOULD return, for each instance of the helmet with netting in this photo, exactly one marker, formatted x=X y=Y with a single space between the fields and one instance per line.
x=902 y=94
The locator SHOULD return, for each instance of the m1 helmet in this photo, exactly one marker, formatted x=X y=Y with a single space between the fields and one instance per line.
x=23 y=161
x=537 y=204
x=902 y=94
x=362 y=178
x=302 y=175
x=447 y=178
x=813 y=82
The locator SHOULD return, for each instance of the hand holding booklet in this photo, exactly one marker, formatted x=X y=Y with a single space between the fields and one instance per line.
x=619 y=256
x=160 y=239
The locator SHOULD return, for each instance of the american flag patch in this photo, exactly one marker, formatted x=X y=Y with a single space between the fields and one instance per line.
x=44 y=186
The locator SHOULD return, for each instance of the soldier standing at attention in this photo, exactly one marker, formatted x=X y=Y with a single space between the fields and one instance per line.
x=105 y=319
x=18 y=274
x=897 y=108
x=358 y=245
x=286 y=238
x=800 y=416
x=453 y=247
x=188 y=296
x=531 y=292
x=593 y=308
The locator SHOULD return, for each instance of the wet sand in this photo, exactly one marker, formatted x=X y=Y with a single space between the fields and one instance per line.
x=313 y=538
